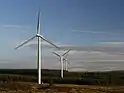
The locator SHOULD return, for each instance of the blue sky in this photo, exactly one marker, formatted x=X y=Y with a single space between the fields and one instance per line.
x=61 y=17
x=67 y=22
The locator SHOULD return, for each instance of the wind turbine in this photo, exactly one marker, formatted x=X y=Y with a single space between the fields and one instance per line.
x=66 y=62
x=39 y=37
x=61 y=60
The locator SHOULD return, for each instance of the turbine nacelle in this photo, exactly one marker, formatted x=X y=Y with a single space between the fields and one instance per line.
x=38 y=35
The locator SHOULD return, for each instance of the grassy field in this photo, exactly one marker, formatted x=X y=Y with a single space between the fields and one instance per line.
x=24 y=81
x=82 y=78
x=28 y=87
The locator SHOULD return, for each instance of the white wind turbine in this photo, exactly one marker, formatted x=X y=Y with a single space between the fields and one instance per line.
x=62 y=60
x=39 y=37
x=66 y=62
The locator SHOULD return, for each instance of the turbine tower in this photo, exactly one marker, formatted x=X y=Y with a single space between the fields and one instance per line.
x=39 y=37
x=66 y=62
x=61 y=60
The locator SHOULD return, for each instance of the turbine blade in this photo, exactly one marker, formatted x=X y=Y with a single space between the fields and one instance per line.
x=38 y=23
x=56 y=54
x=65 y=60
x=66 y=56
x=68 y=63
x=48 y=41
x=25 y=42
x=66 y=52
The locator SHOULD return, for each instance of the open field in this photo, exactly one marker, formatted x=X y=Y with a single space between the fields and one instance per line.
x=24 y=81
x=81 y=78
x=23 y=87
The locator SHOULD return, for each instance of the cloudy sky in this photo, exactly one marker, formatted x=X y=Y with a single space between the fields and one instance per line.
x=92 y=28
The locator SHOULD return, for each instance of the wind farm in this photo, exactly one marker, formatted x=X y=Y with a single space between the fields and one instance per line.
x=54 y=79
x=62 y=60
x=62 y=46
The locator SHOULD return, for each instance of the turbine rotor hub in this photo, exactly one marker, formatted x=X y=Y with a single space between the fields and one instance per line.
x=38 y=35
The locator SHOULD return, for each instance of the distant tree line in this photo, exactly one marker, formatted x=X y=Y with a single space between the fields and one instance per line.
x=83 y=78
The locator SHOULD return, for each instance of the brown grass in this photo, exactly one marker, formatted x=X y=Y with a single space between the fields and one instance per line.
x=23 y=87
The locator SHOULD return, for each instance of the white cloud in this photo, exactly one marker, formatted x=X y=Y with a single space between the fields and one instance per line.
x=14 y=26
x=99 y=57
x=113 y=43
x=95 y=32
